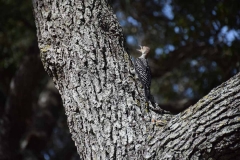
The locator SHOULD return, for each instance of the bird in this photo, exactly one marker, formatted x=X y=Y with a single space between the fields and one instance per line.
x=143 y=70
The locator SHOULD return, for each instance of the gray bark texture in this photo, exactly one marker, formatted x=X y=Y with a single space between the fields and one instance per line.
x=82 y=49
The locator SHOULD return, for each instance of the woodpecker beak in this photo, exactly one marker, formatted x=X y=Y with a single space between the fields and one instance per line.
x=140 y=50
x=144 y=49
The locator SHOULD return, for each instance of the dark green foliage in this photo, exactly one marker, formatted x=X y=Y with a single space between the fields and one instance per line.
x=17 y=34
x=203 y=34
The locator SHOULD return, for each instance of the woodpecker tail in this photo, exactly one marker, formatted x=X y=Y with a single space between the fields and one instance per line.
x=147 y=94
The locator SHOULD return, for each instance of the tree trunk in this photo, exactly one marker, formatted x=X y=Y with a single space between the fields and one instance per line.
x=82 y=49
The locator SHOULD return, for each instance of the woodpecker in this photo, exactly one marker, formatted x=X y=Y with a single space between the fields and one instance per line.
x=143 y=70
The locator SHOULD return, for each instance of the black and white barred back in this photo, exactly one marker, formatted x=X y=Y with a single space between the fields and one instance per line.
x=144 y=73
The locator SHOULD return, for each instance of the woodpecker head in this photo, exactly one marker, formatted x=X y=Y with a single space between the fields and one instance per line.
x=144 y=50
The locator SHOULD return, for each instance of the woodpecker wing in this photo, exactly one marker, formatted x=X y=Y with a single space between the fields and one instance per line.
x=143 y=70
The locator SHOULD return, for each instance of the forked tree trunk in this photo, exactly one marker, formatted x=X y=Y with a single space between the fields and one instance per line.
x=82 y=49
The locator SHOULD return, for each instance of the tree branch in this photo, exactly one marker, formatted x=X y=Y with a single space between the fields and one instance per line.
x=209 y=129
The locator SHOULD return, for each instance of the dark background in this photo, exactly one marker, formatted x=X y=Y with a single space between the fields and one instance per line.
x=194 y=48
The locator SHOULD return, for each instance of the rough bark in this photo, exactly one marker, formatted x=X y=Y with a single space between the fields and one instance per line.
x=82 y=49
x=209 y=129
